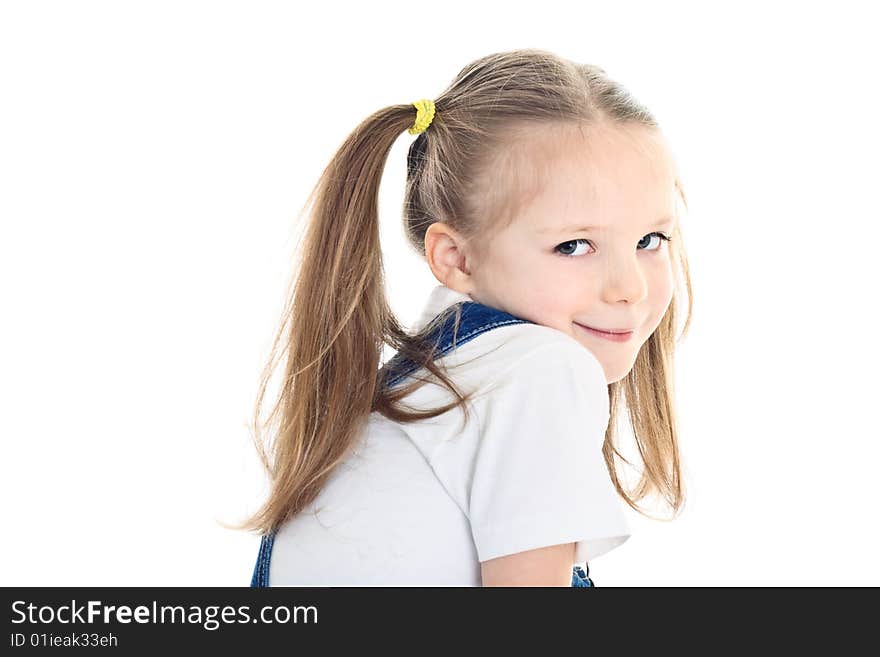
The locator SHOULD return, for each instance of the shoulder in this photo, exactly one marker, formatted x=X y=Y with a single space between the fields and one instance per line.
x=539 y=451
x=534 y=370
x=507 y=364
x=515 y=353
x=529 y=346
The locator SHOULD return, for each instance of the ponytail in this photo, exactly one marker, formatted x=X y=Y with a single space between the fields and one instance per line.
x=336 y=321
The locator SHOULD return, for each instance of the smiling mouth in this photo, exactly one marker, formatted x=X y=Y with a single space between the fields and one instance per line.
x=601 y=330
x=607 y=335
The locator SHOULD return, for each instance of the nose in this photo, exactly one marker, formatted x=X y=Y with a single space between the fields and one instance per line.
x=624 y=281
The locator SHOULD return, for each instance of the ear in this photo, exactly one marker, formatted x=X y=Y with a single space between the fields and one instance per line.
x=444 y=250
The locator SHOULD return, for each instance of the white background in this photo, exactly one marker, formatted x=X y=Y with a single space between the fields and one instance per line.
x=154 y=157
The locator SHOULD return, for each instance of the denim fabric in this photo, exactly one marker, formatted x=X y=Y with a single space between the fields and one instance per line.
x=475 y=319
x=260 y=578
x=581 y=578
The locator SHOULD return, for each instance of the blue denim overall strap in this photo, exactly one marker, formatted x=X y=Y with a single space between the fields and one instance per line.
x=260 y=578
x=580 y=578
x=475 y=319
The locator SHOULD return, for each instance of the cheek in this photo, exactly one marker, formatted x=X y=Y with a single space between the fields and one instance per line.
x=661 y=297
x=513 y=272
x=537 y=298
x=668 y=286
x=551 y=304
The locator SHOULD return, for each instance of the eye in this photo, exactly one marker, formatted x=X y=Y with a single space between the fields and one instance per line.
x=569 y=248
x=566 y=248
x=660 y=239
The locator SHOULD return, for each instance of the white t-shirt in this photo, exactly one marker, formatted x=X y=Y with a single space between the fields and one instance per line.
x=423 y=503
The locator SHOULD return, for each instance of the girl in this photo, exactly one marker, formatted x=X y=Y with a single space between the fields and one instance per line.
x=544 y=199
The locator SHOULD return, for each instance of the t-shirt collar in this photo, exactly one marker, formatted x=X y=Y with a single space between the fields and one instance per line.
x=440 y=299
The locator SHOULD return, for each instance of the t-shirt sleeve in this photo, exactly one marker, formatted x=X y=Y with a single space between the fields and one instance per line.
x=539 y=477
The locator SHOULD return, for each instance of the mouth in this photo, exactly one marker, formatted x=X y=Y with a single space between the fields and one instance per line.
x=614 y=335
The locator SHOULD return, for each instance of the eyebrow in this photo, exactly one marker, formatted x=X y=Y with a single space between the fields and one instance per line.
x=578 y=228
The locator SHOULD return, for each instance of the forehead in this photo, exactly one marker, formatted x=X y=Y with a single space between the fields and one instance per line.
x=604 y=176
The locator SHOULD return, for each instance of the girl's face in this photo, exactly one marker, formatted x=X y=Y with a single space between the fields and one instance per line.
x=585 y=249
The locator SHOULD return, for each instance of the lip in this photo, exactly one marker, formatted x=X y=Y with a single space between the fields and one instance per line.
x=614 y=335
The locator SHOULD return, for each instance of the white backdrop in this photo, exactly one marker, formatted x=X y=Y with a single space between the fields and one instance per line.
x=153 y=159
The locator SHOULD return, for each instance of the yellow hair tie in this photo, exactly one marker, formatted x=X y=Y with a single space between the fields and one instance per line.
x=424 y=116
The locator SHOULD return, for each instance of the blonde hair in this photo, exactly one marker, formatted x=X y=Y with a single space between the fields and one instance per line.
x=337 y=318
